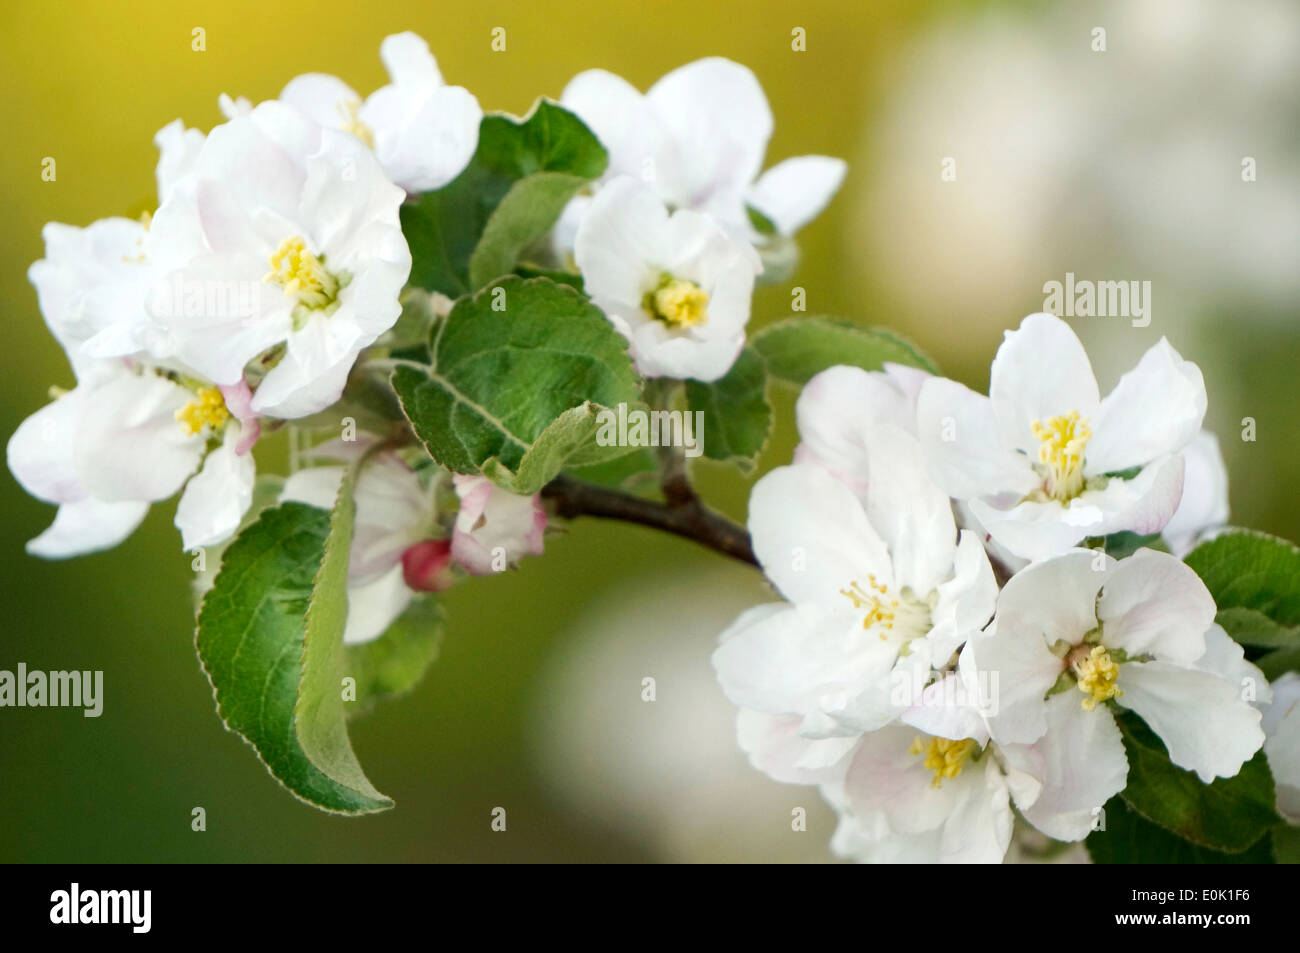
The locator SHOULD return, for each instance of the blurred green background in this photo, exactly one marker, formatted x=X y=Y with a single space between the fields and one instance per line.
x=1123 y=164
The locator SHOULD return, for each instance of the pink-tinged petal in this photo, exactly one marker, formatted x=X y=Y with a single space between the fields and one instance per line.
x=1202 y=718
x=426 y=566
x=1154 y=604
x=1080 y=763
x=494 y=522
x=1040 y=371
x=1155 y=409
x=885 y=776
x=776 y=748
x=87 y=526
x=959 y=432
x=1144 y=504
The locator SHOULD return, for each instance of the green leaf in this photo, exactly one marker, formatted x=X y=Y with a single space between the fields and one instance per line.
x=1130 y=839
x=517 y=377
x=1249 y=570
x=1251 y=627
x=393 y=664
x=1228 y=815
x=798 y=348
x=522 y=175
x=737 y=417
x=270 y=639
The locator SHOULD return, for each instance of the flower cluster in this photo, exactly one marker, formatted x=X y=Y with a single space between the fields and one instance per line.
x=955 y=642
x=274 y=262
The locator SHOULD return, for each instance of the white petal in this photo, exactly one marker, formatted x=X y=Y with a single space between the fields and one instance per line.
x=1282 y=724
x=793 y=192
x=1204 y=502
x=216 y=499
x=959 y=432
x=966 y=601
x=806 y=661
x=325 y=98
x=911 y=514
x=831 y=411
x=1033 y=530
x=1080 y=762
x=1040 y=371
x=1202 y=719
x=979 y=829
x=407 y=58
x=621 y=118
x=424 y=137
x=131 y=446
x=374 y=606
x=716 y=114
x=1154 y=604
x=87 y=526
x=1155 y=409
x=41 y=454
x=776 y=748
x=812 y=537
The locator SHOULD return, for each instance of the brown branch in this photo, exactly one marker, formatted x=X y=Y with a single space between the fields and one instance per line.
x=683 y=516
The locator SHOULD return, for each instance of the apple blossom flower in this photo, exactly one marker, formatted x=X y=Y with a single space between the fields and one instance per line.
x=879 y=593
x=1281 y=724
x=837 y=409
x=1042 y=462
x=298 y=227
x=674 y=284
x=127 y=436
x=422 y=131
x=493 y=522
x=1139 y=632
x=1203 y=507
x=698 y=137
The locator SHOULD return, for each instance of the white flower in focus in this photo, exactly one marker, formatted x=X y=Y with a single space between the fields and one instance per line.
x=1081 y=629
x=1282 y=745
x=879 y=594
x=698 y=138
x=491 y=521
x=422 y=131
x=1203 y=507
x=1042 y=462
x=675 y=285
x=287 y=249
x=123 y=438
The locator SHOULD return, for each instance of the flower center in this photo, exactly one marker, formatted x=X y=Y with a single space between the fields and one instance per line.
x=1097 y=674
x=944 y=757
x=677 y=302
x=909 y=614
x=351 y=112
x=1060 y=452
x=302 y=274
x=205 y=409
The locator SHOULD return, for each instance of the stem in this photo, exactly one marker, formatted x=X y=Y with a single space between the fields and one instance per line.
x=684 y=515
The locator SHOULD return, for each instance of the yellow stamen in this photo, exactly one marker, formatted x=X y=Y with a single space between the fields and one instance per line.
x=351 y=110
x=302 y=274
x=1062 y=441
x=1097 y=673
x=944 y=757
x=206 y=409
x=885 y=611
x=679 y=303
